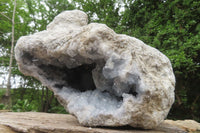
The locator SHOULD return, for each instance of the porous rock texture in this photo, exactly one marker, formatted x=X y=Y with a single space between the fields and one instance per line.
x=103 y=78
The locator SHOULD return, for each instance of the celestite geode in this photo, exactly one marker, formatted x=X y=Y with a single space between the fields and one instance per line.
x=103 y=78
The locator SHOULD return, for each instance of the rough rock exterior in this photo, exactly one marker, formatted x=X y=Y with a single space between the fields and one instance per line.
x=103 y=78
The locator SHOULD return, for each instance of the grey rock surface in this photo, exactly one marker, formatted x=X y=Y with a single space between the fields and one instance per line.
x=35 y=122
x=103 y=78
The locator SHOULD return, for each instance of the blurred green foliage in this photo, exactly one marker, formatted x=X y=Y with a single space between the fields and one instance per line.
x=2 y=92
x=23 y=106
x=40 y=100
x=2 y=106
x=29 y=99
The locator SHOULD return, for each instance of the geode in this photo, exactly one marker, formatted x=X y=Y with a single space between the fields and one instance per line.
x=103 y=78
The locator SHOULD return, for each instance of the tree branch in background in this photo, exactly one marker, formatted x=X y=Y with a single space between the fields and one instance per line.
x=11 y=54
x=194 y=102
x=5 y=16
x=178 y=99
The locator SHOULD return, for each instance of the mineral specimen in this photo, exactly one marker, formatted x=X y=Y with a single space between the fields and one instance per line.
x=103 y=78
